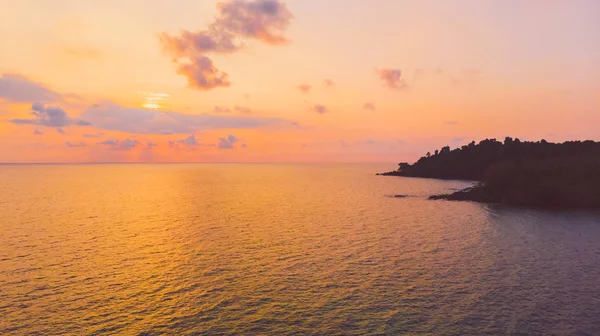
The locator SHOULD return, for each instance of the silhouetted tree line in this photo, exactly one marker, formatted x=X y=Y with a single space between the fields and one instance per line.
x=472 y=161
x=518 y=172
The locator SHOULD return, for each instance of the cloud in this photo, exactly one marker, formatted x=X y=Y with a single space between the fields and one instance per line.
x=75 y=145
x=37 y=132
x=219 y=109
x=109 y=142
x=228 y=142
x=18 y=89
x=189 y=141
x=151 y=144
x=112 y=117
x=243 y=109
x=202 y=74
x=320 y=109
x=263 y=20
x=304 y=88
x=51 y=116
x=451 y=123
x=61 y=131
x=96 y=135
x=329 y=83
x=392 y=78
x=122 y=145
x=237 y=20
x=369 y=106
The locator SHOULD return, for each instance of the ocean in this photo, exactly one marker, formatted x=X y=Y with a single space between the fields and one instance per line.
x=283 y=249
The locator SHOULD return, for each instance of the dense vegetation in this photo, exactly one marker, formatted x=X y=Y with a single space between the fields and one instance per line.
x=516 y=172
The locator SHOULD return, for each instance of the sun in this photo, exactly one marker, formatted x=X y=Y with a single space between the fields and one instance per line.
x=152 y=106
x=154 y=100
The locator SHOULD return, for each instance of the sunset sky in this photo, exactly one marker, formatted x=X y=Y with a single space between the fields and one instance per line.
x=291 y=81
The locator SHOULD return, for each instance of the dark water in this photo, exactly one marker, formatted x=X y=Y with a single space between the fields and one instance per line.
x=282 y=250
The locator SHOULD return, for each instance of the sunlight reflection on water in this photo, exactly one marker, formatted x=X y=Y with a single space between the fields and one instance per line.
x=282 y=249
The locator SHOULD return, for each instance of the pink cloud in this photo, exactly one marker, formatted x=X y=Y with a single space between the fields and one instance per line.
x=304 y=88
x=392 y=78
x=202 y=74
x=369 y=106
x=261 y=20
x=320 y=109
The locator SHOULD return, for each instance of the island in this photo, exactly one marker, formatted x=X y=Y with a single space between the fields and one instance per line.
x=540 y=174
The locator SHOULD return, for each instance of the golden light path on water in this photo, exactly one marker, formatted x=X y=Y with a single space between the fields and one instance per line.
x=255 y=249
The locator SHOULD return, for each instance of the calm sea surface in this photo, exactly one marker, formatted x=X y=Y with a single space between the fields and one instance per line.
x=265 y=249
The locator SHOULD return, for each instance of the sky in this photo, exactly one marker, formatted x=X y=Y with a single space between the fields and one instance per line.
x=291 y=81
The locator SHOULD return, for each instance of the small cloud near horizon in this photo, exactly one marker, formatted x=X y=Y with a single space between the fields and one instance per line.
x=369 y=106
x=75 y=144
x=242 y=109
x=320 y=109
x=51 y=116
x=228 y=142
x=121 y=145
x=304 y=88
x=219 y=109
x=392 y=78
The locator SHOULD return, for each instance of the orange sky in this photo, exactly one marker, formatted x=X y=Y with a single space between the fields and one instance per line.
x=300 y=80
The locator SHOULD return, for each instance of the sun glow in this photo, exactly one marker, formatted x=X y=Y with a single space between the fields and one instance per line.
x=151 y=106
x=154 y=100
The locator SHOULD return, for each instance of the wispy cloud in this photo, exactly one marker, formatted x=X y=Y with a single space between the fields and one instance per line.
x=122 y=145
x=237 y=20
x=304 y=88
x=51 y=116
x=112 y=117
x=75 y=144
x=19 y=89
x=369 y=106
x=95 y=135
x=190 y=143
x=329 y=83
x=219 y=109
x=243 y=109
